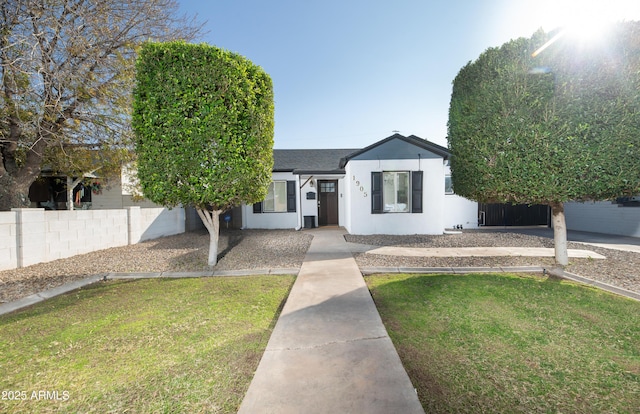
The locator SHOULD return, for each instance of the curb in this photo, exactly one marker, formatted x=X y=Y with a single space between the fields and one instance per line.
x=507 y=269
x=68 y=287
x=77 y=284
x=48 y=294
x=604 y=286
x=455 y=270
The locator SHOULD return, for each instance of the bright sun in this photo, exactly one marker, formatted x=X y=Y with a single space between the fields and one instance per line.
x=587 y=20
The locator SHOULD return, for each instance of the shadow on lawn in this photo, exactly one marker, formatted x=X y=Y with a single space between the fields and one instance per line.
x=463 y=339
x=204 y=379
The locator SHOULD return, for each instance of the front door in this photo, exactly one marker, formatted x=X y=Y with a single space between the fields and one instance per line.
x=328 y=202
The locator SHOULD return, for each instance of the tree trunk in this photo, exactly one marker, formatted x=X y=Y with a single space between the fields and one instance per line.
x=70 y=187
x=13 y=193
x=559 y=234
x=211 y=220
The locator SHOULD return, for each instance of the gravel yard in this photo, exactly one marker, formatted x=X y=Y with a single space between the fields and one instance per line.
x=238 y=249
x=261 y=249
x=620 y=268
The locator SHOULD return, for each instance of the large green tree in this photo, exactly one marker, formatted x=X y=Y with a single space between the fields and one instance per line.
x=203 y=119
x=559 y=125
x=66 y=72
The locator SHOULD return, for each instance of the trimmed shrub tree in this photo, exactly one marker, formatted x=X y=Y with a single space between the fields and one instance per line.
x=561 y=126
x=203 y=121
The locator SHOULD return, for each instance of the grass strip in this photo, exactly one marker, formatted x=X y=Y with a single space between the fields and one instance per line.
x=512 y=343
x=163 y=345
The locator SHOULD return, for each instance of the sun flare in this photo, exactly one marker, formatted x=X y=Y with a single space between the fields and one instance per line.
x=586 y=21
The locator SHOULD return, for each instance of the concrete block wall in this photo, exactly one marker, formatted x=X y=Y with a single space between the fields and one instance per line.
x=30 y=237
x=161 y=222
x=8 y=240
x=83 y=231
x=603 y=217
x=33 y=235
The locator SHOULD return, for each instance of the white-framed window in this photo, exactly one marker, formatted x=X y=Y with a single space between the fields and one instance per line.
x=276 y=201
x=395 y=191
x=448 y=184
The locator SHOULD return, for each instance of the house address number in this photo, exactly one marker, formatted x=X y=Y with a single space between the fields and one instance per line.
x=360 y=186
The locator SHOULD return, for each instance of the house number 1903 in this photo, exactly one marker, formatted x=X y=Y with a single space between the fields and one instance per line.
x=364 y=193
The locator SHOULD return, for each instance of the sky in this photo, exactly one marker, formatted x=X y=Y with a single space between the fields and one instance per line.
x=348 y=73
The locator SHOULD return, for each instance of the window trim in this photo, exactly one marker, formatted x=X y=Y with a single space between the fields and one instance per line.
x=290 y=199
x=415 y=192
x=396 y=186
x=448 y=192
x=283 y=203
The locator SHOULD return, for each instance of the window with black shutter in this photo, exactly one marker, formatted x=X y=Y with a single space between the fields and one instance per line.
x=376 y=193
x=416 y=191
x=281 y=197
x=291 y=196
x=393 y=192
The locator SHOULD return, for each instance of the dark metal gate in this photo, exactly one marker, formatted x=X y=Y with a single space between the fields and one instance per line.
x=513 y=215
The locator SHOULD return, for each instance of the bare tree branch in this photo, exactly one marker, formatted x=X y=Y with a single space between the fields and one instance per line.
x=66 y=73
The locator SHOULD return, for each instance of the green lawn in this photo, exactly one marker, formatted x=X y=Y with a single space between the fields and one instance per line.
x=160 y=345
x=513 y=344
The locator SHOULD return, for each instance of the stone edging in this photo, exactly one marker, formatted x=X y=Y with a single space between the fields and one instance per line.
x=77 y=284
x=47 y=294
x=604 y=286
x=506 y=269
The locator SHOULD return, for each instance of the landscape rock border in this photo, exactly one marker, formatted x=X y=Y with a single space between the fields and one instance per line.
x=282 y=251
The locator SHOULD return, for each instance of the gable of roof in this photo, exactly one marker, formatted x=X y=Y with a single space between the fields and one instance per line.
x=309 y=161
x=399 y=147
x=333 y=161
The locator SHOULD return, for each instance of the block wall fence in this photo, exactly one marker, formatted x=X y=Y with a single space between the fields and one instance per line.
x=603 y=217
x=33 y=235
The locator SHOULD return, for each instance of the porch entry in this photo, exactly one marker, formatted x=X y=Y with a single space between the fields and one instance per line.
x=327 y=202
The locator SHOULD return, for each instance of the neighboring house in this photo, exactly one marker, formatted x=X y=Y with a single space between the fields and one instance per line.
x=49 y=191
x=621 y=217
x=395 y=186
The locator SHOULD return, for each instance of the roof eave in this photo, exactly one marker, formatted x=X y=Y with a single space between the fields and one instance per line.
x=319 y=172
x=411 y=139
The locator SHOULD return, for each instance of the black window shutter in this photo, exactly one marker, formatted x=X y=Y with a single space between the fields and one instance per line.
x=416 y=191
x=291 y=196
x=257 y=208
x=376 y=193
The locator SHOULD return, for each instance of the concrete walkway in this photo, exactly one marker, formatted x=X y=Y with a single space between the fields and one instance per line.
x=608 y=241
x=329 y=351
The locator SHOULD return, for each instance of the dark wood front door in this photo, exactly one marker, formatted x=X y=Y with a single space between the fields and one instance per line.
x=328 y=202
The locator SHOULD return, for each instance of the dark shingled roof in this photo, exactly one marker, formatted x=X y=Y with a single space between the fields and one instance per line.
x=333 y=161
x=310 y=161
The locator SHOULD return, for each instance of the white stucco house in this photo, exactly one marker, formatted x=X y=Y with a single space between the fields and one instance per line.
x=394 y=186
